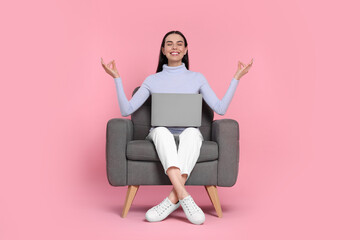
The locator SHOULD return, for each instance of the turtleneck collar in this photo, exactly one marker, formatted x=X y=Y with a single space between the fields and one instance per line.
x=177 y=69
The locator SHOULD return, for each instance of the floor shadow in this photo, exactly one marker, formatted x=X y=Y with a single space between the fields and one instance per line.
x=208 y=210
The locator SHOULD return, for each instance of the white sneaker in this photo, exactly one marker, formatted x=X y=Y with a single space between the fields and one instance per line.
x=192 y=211
x=161 y=211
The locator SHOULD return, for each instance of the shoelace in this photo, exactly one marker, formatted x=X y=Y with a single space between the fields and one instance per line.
x=164 y=205
x=191 y=206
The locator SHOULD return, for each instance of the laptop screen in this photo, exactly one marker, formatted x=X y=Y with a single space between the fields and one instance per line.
x=176 y=109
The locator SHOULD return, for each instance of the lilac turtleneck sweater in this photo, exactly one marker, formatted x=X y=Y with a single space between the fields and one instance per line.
x=174 y=80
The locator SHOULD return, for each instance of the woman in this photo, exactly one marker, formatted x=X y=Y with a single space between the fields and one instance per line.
x=173 y=76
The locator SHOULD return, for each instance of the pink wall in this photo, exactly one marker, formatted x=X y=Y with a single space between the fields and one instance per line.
x=298 y=110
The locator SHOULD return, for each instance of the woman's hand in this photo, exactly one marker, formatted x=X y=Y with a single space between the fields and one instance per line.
x=110 y=68
x=242 y=69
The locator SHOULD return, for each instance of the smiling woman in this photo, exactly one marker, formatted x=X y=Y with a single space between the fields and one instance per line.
x=173 y=76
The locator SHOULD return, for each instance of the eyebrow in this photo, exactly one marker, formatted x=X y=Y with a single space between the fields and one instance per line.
x=172 y=41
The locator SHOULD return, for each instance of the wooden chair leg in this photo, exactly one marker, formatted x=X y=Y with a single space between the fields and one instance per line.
x=130 y=195
x=214 y=197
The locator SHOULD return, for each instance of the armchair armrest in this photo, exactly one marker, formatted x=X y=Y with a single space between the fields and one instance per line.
x=119 y=132
x=226 y=133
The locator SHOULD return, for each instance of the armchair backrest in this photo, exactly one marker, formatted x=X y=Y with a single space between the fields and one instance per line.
x=141 y=119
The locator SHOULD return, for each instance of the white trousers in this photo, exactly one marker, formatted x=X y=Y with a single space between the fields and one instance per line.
x=184 y=158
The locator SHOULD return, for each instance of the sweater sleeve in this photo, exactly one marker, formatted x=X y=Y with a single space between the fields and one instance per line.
x=128 y=107
x=219 y=106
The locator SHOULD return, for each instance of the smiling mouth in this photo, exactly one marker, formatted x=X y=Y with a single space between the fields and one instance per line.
x=174 y=54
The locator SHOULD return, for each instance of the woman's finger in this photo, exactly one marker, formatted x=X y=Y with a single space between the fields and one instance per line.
x=242 y=64
x=104 y=66
x=102 y=62
x=246 y=69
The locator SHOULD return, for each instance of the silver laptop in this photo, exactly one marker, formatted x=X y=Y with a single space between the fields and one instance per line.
x=176 y=109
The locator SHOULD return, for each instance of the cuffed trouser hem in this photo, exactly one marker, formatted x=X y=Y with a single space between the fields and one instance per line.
x=188 y=174
x=179 y=167
x=181 y=171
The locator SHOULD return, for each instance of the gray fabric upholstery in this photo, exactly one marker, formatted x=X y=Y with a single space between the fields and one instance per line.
x=144 y=150
x=132 y=160
x=226 y=133
x=141 y=119
x=152 y=173
x=118 y=133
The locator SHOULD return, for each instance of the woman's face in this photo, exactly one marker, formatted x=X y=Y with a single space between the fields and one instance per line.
x=174 y=48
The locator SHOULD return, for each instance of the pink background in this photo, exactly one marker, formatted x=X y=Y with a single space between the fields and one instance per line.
x=298 y=110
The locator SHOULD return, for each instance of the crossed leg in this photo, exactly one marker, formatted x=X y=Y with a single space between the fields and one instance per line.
x=188 y=153
x=175 y=162
x=178 y=181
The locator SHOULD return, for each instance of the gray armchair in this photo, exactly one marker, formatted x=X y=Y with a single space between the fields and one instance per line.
x=132 y=161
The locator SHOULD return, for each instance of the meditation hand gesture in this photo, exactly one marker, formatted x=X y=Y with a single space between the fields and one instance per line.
x=110 y=68
x=242 y=69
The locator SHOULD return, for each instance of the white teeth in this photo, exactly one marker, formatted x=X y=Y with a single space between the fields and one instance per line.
x=174 y=53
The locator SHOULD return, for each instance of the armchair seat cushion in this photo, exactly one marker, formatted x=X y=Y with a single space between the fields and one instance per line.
x=144 y=150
